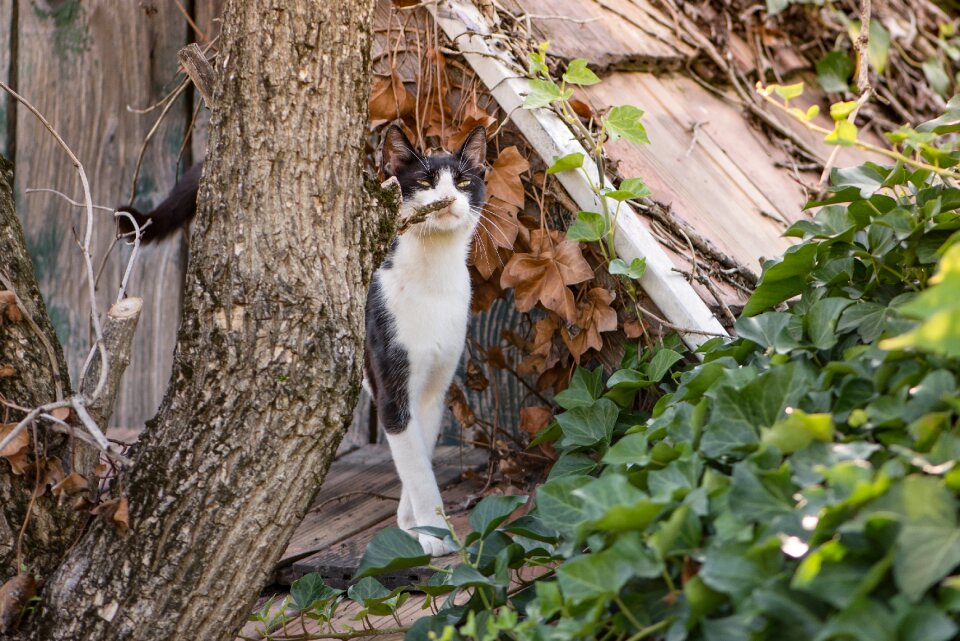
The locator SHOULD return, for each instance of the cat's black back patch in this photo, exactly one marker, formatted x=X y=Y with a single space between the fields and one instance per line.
x=386 y=363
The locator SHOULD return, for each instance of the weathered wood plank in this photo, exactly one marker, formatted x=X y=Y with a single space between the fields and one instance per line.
x=338 y=563
x=7 y=54
x=331 y=521
x=611 y=34
x=717 y=182
x=82 y=64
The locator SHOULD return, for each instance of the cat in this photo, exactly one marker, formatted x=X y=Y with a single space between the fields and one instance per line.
x=417 y=306
x=416 y=315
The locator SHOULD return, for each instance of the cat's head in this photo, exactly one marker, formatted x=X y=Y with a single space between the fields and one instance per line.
x=428 y=178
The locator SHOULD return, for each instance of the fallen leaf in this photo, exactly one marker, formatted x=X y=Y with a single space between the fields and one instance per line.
x=390 y=99
x=633 y=328
x=7 y=371
x=582 y=109
x=485 y=292
x=457 y=403
x=475 y=379
x=72 y=484
x=504 y=181
x=53 y=474
x=544 y=354
x=61 y=413
x=543 y=274
x=595 y=316
x=495 y=358
x=455 y=140
x=534 y=418
x=9 y=307
x=15 y=595
x=18 y=445
x=115 y=510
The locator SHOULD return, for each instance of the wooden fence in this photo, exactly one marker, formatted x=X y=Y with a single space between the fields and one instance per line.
x=97 y=69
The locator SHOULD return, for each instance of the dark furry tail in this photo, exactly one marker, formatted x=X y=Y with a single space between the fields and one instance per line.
x=176 y=210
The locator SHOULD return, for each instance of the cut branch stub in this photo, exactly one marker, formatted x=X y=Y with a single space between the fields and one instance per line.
x=118 y=332
x=200 y=71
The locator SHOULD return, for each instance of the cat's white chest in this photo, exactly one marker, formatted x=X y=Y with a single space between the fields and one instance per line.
x=429 y=301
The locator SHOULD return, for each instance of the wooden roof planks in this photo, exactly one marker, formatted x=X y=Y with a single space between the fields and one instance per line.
x=612 y=34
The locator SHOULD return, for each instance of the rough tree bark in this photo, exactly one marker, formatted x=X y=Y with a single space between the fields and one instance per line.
x=39 y=376
x=269 y=352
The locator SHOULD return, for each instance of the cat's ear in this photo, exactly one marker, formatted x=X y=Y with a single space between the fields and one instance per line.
x=474 y=149
x=397 y=151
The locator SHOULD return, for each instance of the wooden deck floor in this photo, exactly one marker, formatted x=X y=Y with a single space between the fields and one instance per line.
x=358 y=498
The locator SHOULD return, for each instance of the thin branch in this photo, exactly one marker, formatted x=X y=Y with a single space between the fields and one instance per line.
x=87 y=238
x=863 y=80
x=420 y=214
x=42 y=190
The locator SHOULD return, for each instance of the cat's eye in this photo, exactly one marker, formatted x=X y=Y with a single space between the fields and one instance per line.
x=463 y=183
x=424 y=183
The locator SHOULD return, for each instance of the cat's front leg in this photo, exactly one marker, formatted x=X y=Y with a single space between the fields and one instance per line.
x=420 y=486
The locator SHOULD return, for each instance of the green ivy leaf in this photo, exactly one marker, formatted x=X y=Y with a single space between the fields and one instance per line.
x=834 y=71
x=844 y=134
x=635 y=270
x=798 y=430
x=782 y=278
x=491 y=511
x=589 y=425
x=585 y=387
x=367 y=589
x=936 y=76
x=310 y=589
x=566 y=163
x=632 y=449
x=926 y=552
x=840 y=110
x=635 y=186
x=557 y=505
x=544 y=93
x=389 y=550
x=577 y=73
x=789 y=92
x=821 y=321
x=661 y=363
x=613 y=504
x=624 y=122
x=588 y=227
x=597 y=576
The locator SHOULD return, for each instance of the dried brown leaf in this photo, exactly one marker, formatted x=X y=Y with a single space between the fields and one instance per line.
x=632 y=328
x=544 y=354
x=457 y=403
x=595 y=315
x=455 y=140
x=72 y=484
x=61 y=413
x=15 y=594
x=18 y=444
x=543 y=274
x=535 y=418
x=9 y=307
x=6 y=371
x=390 y=99
x=475 y=378
x=582 y=109
x=504 y=181
x=116 y=511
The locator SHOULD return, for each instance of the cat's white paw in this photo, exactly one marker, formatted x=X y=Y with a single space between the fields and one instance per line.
x=434 y=546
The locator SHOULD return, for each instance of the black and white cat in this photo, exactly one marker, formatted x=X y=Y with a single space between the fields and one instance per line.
x=417 y=307
x=416 y=316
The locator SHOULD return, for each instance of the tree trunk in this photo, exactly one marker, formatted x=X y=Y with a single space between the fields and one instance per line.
x=39 y=376
x=269 y=353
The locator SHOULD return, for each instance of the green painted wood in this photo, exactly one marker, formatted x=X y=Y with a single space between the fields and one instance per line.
x=82 y=64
